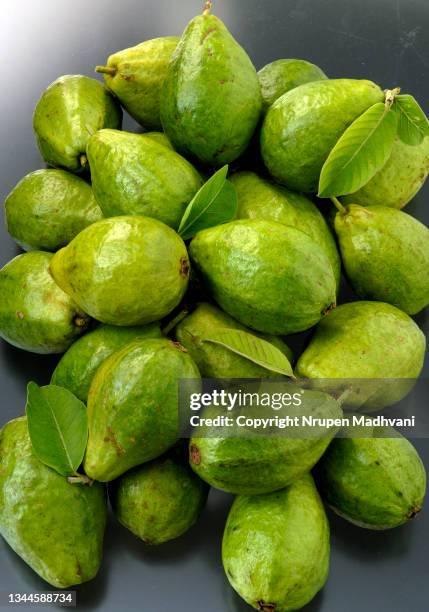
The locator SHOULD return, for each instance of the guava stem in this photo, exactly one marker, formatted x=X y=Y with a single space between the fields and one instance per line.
x=106 y=70
x=83 y=160
x=170 y=326
x=338 y=204
x=80 y=479
x=207 y=7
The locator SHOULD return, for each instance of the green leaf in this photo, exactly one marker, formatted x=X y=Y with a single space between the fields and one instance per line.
x=213 y=204
x=413 y=125
x=360 y=152
x=58 y=427
x=253 y=348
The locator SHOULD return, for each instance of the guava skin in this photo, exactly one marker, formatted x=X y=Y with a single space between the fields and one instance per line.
x=35 y=314
x=48 y=208
x=256 y=464
x=70 y=110
x=56 y=527
x=128 y=270
x=132 y=174
x=366 y=340
x=374 y=482
x=215 y=361
x=211 y=100
x=402 y=176
x=160 y=138
x=272 y=278
x=280 y=76
x=276 y=548
x=139 y=75
x=160 y=500
x=262 y=199
x=133 y=406
x=303 y=125
x=77 y=367
x=386 y=255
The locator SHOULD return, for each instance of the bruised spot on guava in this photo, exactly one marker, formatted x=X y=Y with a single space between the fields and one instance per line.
x=78 y=568
x=195 y=454
x=207 y=34
x=111 y=438
x=179 y=346
x=413 y=513
x=184 y=267
x=329 y=308
x=79 y=321
x=266 y=607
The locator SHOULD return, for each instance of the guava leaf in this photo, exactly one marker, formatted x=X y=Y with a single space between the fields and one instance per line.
x=58 y=427
x=360 y=152
x=413 y=125
x=251 y=347
x=213 y=204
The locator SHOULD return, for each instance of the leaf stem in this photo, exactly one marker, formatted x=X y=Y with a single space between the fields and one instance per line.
x=338 y=204
x=207 y=7
x=342 y=398
x=175 y=321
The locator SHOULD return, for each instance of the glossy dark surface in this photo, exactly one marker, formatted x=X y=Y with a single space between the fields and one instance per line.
x=383 y=40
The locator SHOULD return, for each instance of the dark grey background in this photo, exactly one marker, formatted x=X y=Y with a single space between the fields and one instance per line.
x=383 y=40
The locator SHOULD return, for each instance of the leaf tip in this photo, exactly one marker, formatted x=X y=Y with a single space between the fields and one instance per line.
x=32 y=385
x=32 y=389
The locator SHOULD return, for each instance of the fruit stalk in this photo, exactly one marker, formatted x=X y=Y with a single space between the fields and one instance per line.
x=80 y=479
x=106 y=70
x=338 y=204
x=207 y=7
